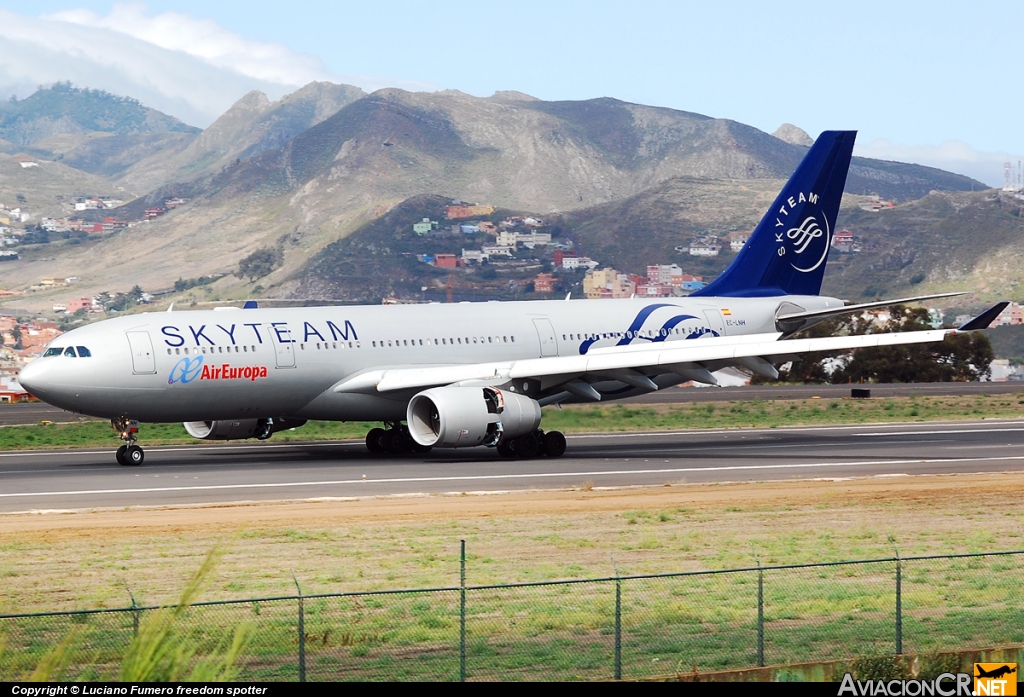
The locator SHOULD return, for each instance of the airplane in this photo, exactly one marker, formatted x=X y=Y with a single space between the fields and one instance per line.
x=467 y=374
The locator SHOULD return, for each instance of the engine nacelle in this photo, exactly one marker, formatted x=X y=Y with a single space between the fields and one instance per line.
x=239 y=429
x=462 y=417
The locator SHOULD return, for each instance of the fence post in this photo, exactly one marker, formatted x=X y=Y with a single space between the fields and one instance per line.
x=760 y=614
x=302 y=631
x=462 y=612
x=135 y=610
x=618 y=622
x=899 y=598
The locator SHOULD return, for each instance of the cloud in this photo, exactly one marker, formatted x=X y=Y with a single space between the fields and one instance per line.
x=191 y=68
x=951 y=155
x=206 y=40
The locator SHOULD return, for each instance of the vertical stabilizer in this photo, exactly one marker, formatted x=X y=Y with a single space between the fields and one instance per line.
x=787 y=252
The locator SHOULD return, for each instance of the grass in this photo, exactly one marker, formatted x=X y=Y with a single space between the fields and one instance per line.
x=583 y=419
x=549 y=631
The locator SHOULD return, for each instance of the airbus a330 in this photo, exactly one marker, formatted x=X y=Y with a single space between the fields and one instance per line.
x=467 y=374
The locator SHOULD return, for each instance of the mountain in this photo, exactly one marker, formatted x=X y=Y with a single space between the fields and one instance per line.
x=317 y=166
x=62 y=108
x=942 y=242
x=44 y=190
x=251 y=126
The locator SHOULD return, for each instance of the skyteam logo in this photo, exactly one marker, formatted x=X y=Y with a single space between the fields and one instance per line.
x=809 y=237
x=806 y=243
x=186 y=370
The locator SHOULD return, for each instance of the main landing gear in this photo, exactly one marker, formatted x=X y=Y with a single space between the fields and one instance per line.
x=129 y=454
x=551 y=444
x=393 y=439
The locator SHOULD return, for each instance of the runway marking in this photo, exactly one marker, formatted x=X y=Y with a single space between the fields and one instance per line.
x=937 y=433
x=538 y=475
x=783 y=429
x=185 y=449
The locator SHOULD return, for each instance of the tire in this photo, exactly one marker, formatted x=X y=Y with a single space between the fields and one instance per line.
x=553 y=444
x=505 y=449
x=395 y=442
x=134 y=456
x=527 y=446
x=120 y=456
x=417 y=448
x=375 y=440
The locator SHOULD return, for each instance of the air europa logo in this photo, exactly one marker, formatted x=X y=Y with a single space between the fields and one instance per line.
x=231 y=372
x=185 y=371
x=807 y=242
x=188 y=369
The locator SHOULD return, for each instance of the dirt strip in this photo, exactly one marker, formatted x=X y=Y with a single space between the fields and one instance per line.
x=981 y=490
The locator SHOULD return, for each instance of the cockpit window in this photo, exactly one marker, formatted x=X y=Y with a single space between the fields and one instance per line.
x=54 y=351
x=83 y=352
x=70 y=351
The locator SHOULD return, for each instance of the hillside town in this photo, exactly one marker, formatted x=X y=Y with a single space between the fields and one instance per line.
x=18 y=225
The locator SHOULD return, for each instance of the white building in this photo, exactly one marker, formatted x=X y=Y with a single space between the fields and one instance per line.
x=573 y=263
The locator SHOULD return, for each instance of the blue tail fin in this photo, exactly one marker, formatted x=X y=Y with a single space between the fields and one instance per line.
x=787 y=251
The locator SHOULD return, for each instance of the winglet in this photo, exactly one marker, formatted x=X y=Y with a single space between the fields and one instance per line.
x=985 y=318
x=251 y=305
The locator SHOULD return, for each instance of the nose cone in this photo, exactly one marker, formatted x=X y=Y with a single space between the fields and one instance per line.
x=33 y=378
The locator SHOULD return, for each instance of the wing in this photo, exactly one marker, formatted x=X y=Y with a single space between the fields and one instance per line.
x=632 y=365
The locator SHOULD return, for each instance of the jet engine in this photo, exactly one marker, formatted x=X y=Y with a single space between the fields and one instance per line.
x=463 y=417
x=261 y=429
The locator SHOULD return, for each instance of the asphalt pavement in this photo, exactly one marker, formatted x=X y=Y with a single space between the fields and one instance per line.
x=214 y=473
x=34 y=412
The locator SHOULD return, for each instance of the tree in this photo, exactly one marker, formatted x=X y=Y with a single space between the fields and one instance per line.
x=260 y=263
x=16 y=333
x=957 y=358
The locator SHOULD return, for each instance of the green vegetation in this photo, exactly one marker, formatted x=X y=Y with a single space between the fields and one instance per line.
x=260 y=263
x=558 y=631
x=957 y=358
x=586 y=419
x=28 y=120
x=157 y=649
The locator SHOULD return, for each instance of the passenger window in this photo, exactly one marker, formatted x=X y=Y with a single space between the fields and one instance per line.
x=70 y=351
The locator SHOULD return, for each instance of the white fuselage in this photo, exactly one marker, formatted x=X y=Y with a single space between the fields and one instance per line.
x=267 y=363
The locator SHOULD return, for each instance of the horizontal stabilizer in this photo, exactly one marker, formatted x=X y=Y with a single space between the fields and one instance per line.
x=795 y=321
x=986 y=318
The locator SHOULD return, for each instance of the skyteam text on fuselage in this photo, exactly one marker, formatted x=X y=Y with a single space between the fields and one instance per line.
x=467 y=374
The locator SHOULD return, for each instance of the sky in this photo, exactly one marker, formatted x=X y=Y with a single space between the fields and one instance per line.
x=930 y=82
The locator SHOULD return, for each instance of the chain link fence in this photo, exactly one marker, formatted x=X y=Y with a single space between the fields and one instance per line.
x=615 y=627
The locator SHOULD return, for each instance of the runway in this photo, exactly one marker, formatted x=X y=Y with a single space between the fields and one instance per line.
x=216 y=473
x=34 y=412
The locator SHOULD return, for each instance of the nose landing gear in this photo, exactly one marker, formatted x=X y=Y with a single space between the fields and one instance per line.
x=129 y=454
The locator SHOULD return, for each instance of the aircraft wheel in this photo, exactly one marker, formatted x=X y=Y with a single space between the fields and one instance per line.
x=553 y=444
x=375 y=440
x=396 y=442
x=527 y=446
x=120 y=455
x=505 y=449
x=417 y=448
x=134 y=456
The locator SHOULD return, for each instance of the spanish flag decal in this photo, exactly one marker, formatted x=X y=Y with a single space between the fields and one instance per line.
x=726 y=311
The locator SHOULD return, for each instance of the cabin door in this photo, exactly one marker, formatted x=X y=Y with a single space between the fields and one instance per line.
x=546 y=336
x=143 y=359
